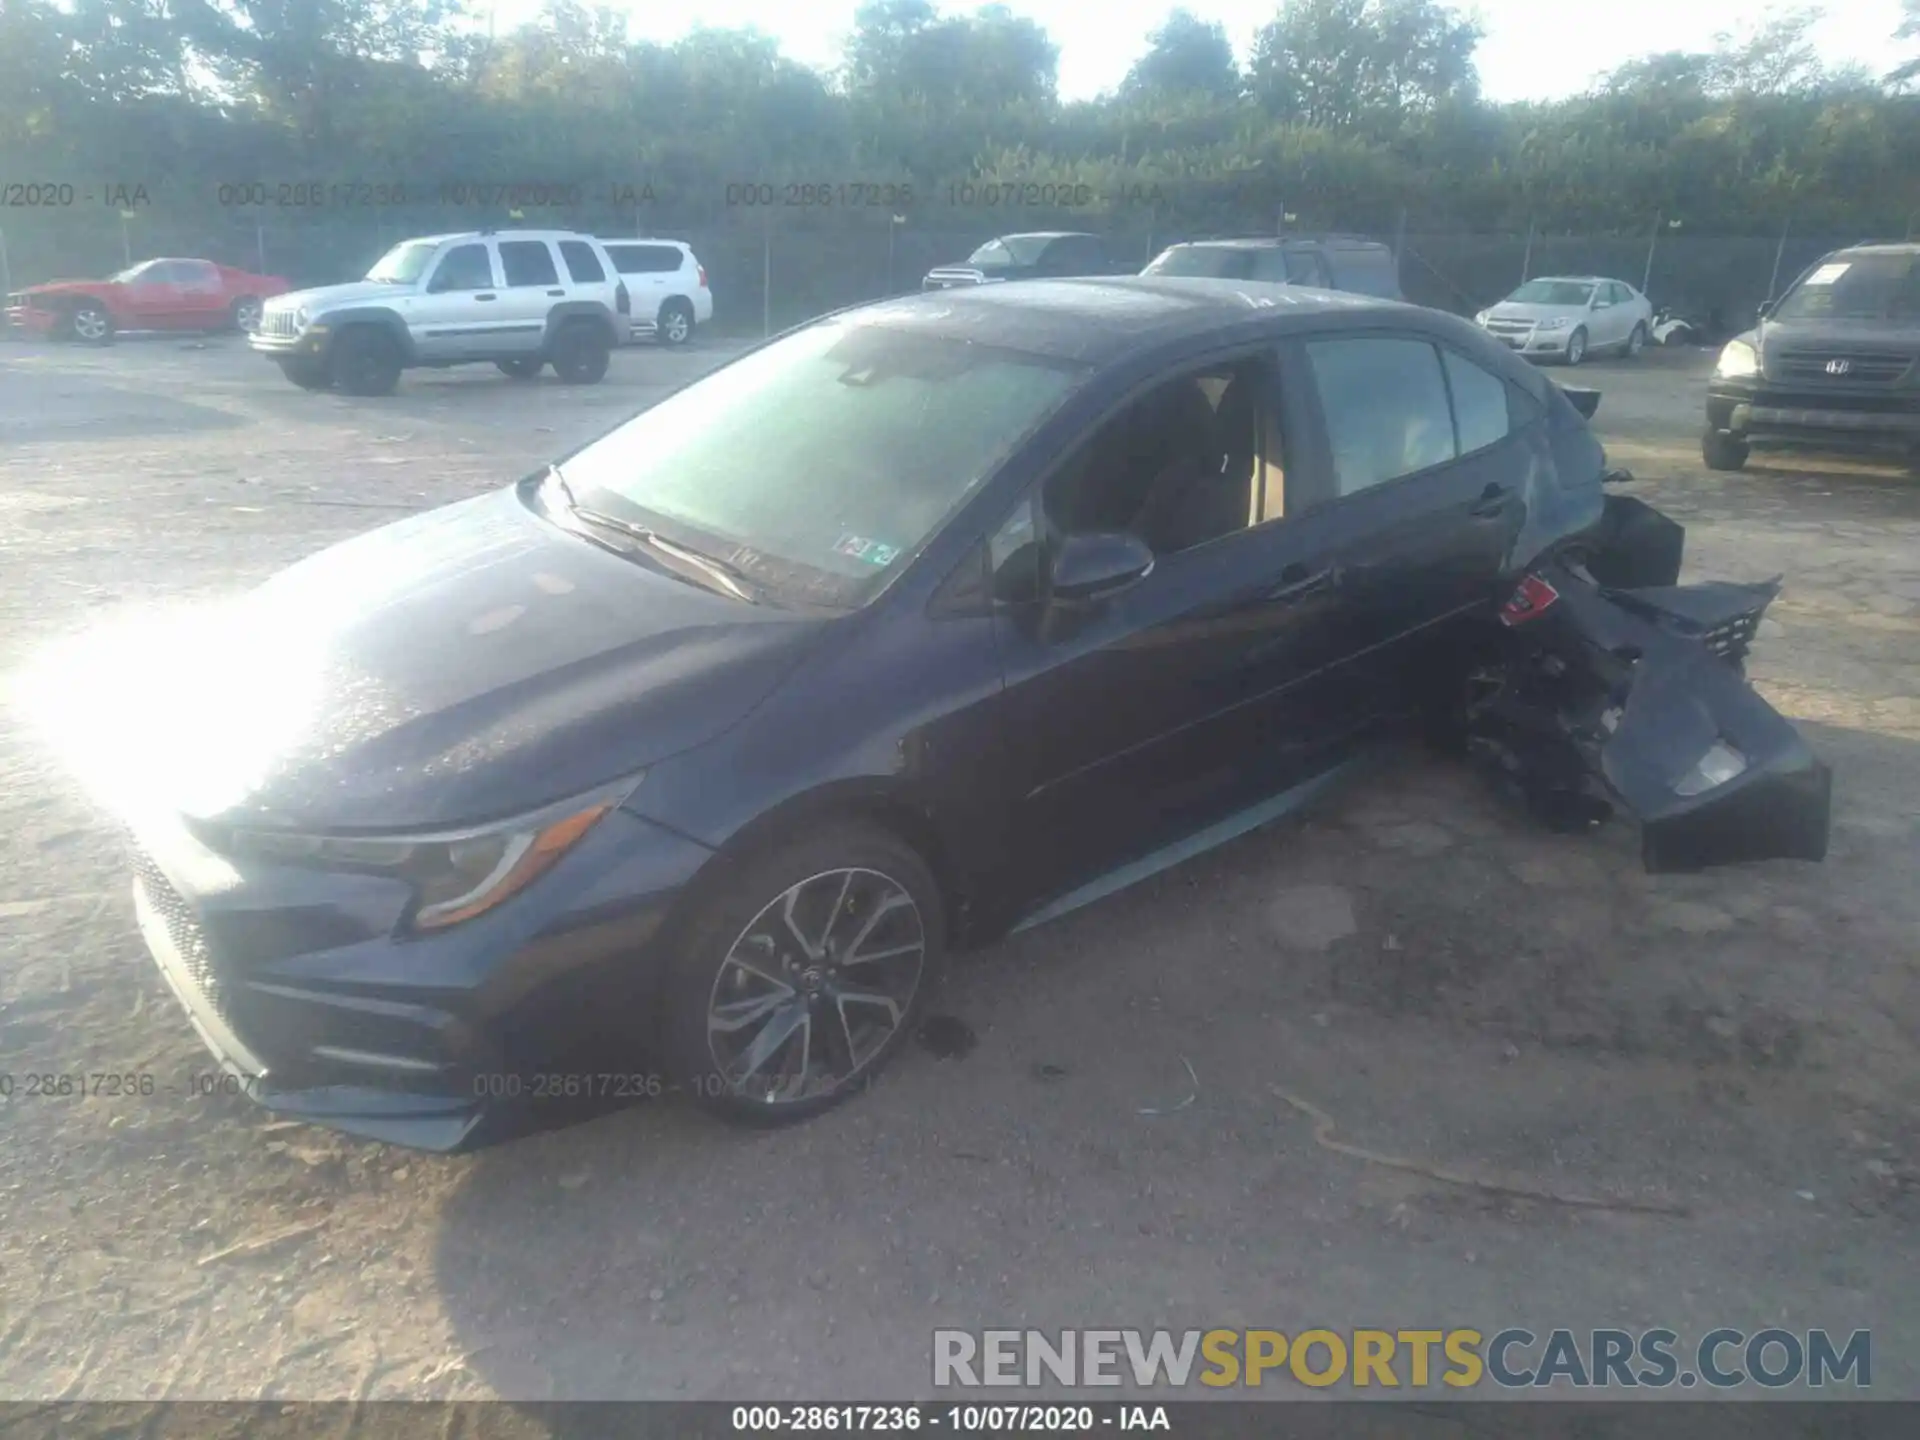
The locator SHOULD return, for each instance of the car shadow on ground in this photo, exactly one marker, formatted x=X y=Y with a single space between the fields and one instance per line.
x=1449 y=982
x=56 y=407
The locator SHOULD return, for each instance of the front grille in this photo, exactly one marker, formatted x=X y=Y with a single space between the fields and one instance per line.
x=1854 y=367
x=1509 y=327
x=183 y=929
x=278 y=322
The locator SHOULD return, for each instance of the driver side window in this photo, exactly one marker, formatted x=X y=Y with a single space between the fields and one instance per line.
x=465 y=267
x=1188 y=462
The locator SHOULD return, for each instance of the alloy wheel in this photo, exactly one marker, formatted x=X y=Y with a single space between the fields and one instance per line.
x=90 y=324
x=675 y=326
x=246 y=313
x=1577 y=347
x=815 y=987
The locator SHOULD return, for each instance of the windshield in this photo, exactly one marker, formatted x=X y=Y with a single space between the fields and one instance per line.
x=1211 y=262
x=1864 y=287
x=403 y=264
x=1009 y=250
x=820 y=464
x=1552 y=292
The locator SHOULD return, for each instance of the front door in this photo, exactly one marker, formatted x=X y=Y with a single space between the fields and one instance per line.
x=1208 y=685
x=452 y=316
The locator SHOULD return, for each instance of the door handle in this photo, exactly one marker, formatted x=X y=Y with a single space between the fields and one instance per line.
x=1492 y=501
x=484 y=297
x=1297 y=582
x=556 y=292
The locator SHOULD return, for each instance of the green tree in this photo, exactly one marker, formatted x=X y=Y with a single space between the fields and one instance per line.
x=1186 y=56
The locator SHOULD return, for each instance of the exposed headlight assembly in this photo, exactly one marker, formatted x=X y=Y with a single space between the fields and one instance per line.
x=1737 y=360
x=1720 y=764
x=455 y=875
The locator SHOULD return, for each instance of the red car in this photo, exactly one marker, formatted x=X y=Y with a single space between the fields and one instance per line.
x=153 y=295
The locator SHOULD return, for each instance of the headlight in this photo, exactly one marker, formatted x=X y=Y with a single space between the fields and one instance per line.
x=1558 y=323
x=1720 y=764
x=1481 y=318
x=1738 y=359
x=300 y=318
x=455 y=875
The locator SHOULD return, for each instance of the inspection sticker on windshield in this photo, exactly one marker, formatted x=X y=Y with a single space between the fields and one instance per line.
x=1827 y=274
x=871 y=551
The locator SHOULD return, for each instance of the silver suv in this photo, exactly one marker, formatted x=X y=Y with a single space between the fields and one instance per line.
x=523 y=299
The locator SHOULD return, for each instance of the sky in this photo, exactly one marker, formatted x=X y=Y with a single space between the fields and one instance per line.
x=1533 y=50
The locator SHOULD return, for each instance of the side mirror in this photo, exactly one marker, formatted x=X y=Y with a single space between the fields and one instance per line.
x=1766 y=309
x=1091 y=567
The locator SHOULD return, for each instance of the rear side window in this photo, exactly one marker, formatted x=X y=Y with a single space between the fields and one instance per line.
x=645 y=259
x=1481 y=411
x=1385 y=402
x=528 y=262
x=582 y=264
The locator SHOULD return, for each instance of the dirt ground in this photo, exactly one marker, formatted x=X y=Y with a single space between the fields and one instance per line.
x=1444 y=982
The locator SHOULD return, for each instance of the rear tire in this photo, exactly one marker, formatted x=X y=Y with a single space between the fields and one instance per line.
x=581 y=352
x=860 y=888
x=308 y=374
x=245 y=314
x=675 y=323
x=1723 y=451
x=366 y=361
x=523 y=368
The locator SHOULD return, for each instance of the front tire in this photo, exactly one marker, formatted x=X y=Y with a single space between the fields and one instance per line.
x=675 y=323
x=522 y=368
x=1723 y=451
x=1577 y=346
x=1636 y=342
x=307 y=373
x=90 y=324
x=799 y=975
x=366 y=361
x=580 y=353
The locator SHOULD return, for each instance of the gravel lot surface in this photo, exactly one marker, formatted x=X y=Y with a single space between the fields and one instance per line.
x=1444 y=982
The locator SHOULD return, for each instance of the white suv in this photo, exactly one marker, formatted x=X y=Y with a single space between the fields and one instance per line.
x=522 y=299
x=669 y=287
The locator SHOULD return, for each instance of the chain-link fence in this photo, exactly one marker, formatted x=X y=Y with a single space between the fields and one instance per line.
x=772 y=266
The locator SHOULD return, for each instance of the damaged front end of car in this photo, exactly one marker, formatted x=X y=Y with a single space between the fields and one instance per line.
x=1611 y=688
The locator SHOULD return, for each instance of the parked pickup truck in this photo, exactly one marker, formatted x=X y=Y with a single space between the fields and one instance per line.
x=1040 y=254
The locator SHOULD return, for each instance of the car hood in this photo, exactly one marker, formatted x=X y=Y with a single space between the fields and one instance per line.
x=1892 y=337
x=462 y=665
x=60 y=287
x=353 y=292
x=1512 y=310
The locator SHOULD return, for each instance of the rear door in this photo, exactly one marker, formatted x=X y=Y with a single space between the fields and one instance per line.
x=530 y=287
x=1424 y=485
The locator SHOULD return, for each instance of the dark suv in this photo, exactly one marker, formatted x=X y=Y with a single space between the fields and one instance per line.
x=1836 y=362
x=1036 y=255
x=1326 y=262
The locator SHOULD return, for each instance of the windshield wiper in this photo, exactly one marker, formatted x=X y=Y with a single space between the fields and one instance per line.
x=728 y=577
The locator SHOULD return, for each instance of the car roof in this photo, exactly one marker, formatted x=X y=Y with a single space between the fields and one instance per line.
x=509 y=233
x=645 y=240
x=1268 y=242
x=1883 y=247
x=1577 y=279
x=1107 y=318
x=1048 y=235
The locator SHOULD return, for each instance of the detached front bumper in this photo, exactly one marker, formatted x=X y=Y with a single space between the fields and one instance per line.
x=1761 y=410
x=317 y=1005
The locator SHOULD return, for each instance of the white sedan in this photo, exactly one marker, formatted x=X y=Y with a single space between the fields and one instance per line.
x=1569 y=317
